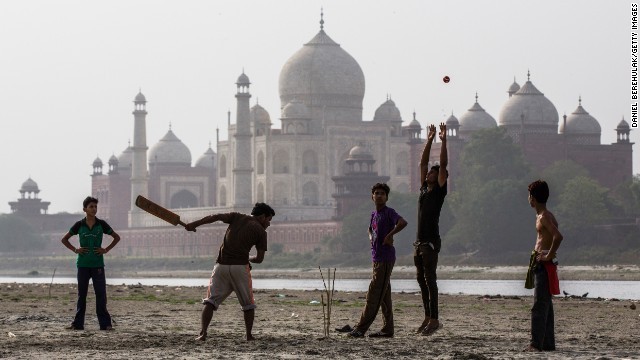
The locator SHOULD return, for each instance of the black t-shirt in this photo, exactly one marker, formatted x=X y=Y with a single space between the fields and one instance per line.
x=429 y=206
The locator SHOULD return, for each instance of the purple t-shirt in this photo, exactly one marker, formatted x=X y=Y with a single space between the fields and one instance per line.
x=382 y=222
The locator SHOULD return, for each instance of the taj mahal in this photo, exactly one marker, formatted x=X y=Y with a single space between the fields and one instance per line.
x=316 y=158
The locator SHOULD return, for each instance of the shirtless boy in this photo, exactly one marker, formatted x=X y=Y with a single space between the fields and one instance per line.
x=543 y=268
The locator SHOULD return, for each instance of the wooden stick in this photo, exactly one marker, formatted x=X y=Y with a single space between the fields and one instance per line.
x=54 y=274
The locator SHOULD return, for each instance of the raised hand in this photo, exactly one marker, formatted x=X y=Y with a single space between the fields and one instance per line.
x=432 y=132
x=443 y=131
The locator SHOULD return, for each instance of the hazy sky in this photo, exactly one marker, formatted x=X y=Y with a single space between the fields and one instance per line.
x=69 y=70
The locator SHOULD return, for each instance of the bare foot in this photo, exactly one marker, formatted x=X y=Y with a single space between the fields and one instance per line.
x=424 y=324
x=202 y=337
x=250 y=337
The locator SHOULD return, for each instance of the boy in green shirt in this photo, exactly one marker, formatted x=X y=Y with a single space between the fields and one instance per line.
x=90 y=262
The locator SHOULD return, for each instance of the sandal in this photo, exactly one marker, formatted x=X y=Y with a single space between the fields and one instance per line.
x=344 y=329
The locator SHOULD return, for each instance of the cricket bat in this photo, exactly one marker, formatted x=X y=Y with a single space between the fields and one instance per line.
x=157 y=210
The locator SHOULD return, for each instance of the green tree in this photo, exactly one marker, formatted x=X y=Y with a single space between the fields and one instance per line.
x=17 y=235
x=558 y=174
x=490 y=206
x=627 y=195
x=582 y=205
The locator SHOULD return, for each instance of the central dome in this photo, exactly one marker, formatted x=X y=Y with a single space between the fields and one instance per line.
x=326 y=79
x=170 y=151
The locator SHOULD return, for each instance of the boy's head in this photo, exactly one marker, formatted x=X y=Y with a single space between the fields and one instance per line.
x=380 y=193
x=432 y=174
x=88 y=200
x=263 y=213
x=539 y=191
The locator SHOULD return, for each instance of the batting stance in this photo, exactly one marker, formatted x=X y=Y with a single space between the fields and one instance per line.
x=232 y=272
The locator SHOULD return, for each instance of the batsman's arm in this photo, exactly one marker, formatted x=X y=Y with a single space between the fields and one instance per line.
x=205 y=220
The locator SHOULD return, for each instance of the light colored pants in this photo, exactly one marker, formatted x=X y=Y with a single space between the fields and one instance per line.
x=226 y=279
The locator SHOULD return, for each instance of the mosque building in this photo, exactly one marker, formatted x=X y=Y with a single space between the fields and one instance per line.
x=324 y=157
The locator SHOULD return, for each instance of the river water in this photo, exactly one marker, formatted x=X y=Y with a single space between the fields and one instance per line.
x=593 y=289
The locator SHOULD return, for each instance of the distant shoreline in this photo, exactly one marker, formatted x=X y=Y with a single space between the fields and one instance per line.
x=584 y=273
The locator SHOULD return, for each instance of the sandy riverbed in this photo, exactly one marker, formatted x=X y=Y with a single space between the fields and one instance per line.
x=161 y=322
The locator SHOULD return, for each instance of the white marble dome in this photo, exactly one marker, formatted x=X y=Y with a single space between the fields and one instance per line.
x=125 y=160
x=580 y=122
x=359 y=152
x=170 y=151
x=296 y=109
x=325 y=77
x=452 y=121
x=207 y=160
x=259 y=115
x=539 y=113
x=476 y=118
x=387 y=112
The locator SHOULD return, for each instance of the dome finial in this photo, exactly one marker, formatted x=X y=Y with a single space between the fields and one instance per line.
x=321 y=18
x=579 y=100
x=169 y=125
x=476 y=97
x=414 y=114
x=257 y=100
x=528 y=75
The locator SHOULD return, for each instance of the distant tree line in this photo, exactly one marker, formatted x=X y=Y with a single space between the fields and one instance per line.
x=487 y=219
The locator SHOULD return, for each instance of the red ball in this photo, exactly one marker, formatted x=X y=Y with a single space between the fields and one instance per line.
x=446 y=79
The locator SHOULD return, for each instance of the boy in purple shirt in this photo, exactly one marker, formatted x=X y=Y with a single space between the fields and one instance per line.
x=384 y=223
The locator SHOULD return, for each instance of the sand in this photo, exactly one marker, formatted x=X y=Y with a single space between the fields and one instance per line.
x=160 y=322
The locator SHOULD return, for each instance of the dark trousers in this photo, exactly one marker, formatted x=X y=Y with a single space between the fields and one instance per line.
x=426 y=260
x=100 y=288
x=542 y=334
x=378 y=296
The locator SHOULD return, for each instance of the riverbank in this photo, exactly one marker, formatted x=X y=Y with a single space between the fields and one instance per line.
x=161 y=322
x=611 y=272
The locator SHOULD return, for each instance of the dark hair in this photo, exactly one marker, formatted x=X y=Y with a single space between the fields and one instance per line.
x=262 y=209
x=539 y=190
x=382 y=186
x=88 y=200
x=437 y=168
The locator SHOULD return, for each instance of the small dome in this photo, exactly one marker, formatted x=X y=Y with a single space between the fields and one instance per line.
x=414 y=124
x=580 y=122
x=387 y=112
x=29 y=186
x=140 y=98
x=513 y=88
x=170 y=151
x=243 y=80
x=97 y=162
x=125 y=160
x=113 y=160
x=452 y=121
x=296 y=109
x=259 y=115
x=475 y=119
x=207 y=160
x=359 y=152
x=622 y=125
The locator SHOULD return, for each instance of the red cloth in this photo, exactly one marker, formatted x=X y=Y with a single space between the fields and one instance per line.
x=552 y=273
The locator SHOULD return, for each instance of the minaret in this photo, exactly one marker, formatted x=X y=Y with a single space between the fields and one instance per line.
x=242 y=167
x=139 y=174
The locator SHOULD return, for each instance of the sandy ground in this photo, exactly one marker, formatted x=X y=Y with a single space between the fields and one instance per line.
x=159 y=322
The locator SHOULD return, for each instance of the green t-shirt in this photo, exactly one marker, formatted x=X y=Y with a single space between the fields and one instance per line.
x=90 y=238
